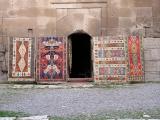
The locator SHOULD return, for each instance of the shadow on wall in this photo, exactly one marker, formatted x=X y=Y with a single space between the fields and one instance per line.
x=3 y=62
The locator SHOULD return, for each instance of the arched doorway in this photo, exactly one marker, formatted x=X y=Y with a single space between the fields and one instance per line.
x=80 y=64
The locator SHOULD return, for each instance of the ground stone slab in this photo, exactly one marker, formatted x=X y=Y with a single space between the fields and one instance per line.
x=45 y=117
x=77 y=101
x=153 y=119
x=7 y=118
x=131 y=119
x=58 y=86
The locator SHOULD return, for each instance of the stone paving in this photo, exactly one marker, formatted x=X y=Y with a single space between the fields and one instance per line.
x=77 y=99
x=26 y=118
x=56 y=86
x=47 y=118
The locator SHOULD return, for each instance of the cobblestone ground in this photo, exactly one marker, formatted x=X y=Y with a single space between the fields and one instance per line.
x=77 y=101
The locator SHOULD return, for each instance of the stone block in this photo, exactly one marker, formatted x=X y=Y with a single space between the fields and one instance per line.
x=15 y=31
x=112 y=22
x=51 y=27
x=144 y=12
x=91 y=0
x=104 y=17
x=112 y=31
x=149 y=33
x=126 y=12
x=64 y=26
x=155 y=3
x=17 y=4
x=19 y=26
x=4 y=67
x=25 y=12
x=45 y=117
x=156 y=19
x=151 y=43
x=6 y=57
x=156 y=35
x=143 y=3
x=19 y=22
x=152 y=66
x=60 y=5
x=3 y=78
x=146 y=21
x=33 y=12
x=2 y=58
x=88 y=20
x=97 y=11
x=5 y=4
x=156 y=12
x=115 y=3
x=113 y=11
x=64 y=1
x=94 y=27
x=6 y=44
x=49 y=12
x=156 y=29
x=127 y=3
x=152 y=54
x=131 y=119
x=152 y=76
x=2 y=48
x=1 y=54
x=93 y=5
x=126 y=22
x=7 y=118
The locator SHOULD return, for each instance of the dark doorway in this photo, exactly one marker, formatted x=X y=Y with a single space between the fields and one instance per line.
x=80 y=55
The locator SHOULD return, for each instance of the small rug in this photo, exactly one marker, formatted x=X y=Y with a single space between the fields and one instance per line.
x=110 y=59
x=135 y=55
x=21 y=59
x=50 y=59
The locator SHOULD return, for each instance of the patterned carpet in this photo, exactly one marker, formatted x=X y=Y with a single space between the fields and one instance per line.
x=50 y=59
x=21 y=59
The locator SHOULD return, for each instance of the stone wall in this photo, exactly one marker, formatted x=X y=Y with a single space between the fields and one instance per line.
x=152 y=59
x=63 y=17
x=132 y=16
x=3 y=59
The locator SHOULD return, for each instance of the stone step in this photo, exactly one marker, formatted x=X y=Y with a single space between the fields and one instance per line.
x=44 y=117
x=7 y=118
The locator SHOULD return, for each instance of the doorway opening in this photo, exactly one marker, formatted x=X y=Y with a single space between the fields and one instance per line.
x=80 y=55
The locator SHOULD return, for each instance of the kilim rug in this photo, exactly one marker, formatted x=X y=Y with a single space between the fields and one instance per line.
x=135 y=58
x=21 y=59
x=50 y=61
x=110 y=59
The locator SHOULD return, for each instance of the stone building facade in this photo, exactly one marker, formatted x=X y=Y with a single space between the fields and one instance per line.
x=98 y=18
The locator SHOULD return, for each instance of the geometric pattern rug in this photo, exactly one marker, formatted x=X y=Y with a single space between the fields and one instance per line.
x=21 y=59
x=135 y=59
x=110 y=59
x=50 y=59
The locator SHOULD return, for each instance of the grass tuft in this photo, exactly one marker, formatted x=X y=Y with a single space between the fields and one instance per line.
x=12 y=114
